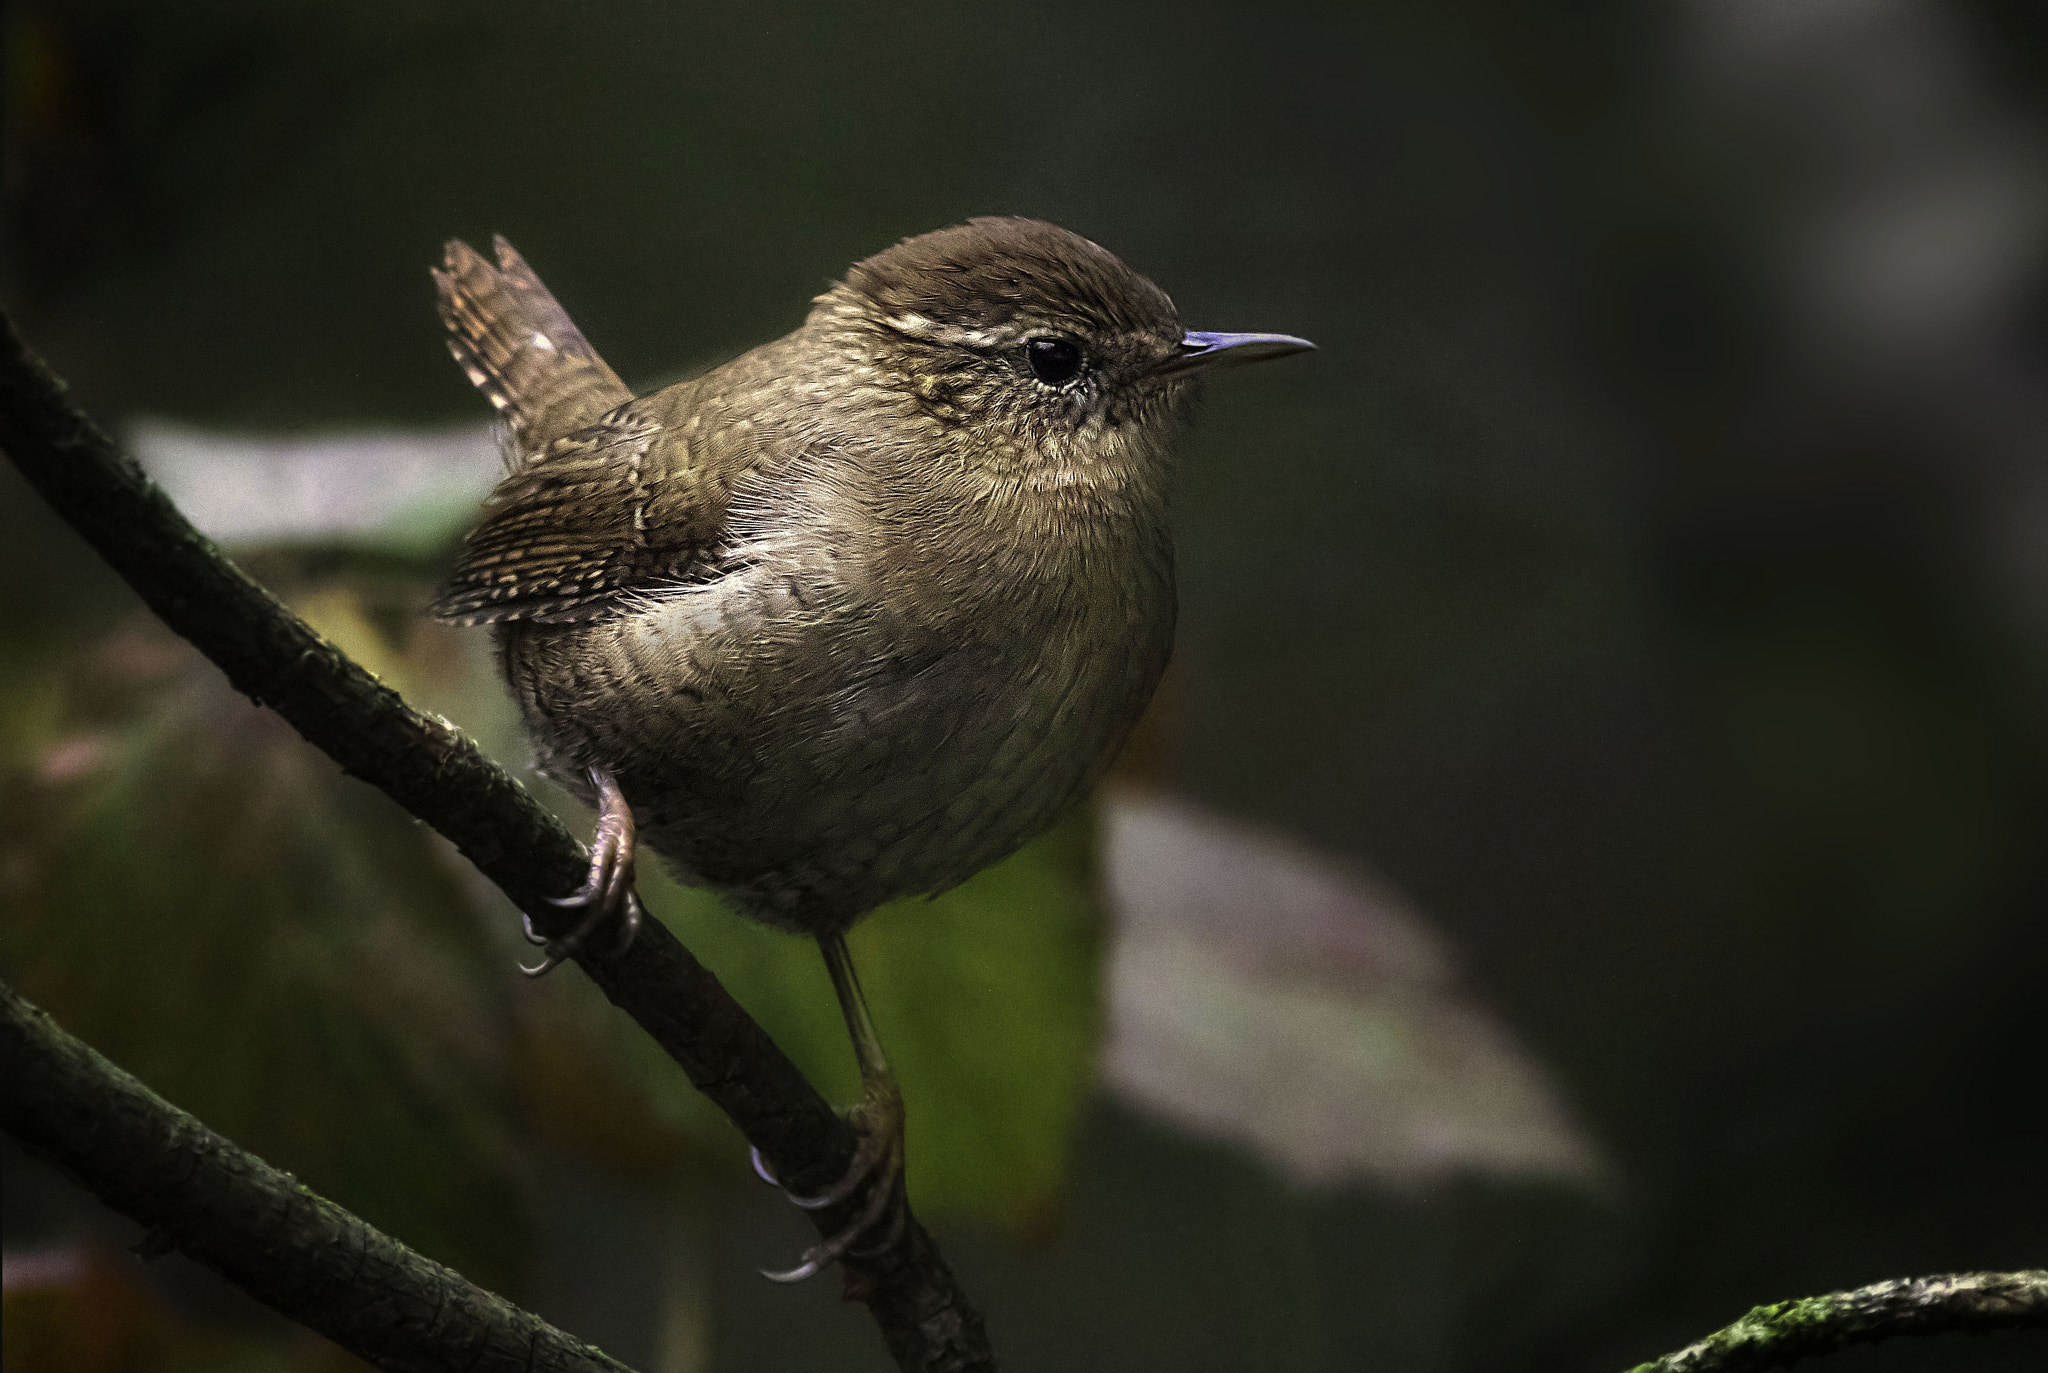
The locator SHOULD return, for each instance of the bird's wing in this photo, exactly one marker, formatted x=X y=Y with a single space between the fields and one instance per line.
x=520 y=347
x=584 y=521
x=602 y=497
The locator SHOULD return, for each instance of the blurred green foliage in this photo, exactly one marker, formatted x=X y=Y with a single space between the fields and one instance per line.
x=211 y=904
x=986 y=999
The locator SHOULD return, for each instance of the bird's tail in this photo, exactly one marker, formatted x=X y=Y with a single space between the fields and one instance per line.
x=520 y=347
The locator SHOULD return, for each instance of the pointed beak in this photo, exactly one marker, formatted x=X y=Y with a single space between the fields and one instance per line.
x=1200 y=352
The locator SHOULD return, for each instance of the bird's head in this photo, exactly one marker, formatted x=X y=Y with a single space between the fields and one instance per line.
x=1026 y=347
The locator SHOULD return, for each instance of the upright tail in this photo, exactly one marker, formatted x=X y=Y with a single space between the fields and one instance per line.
x=520 y=347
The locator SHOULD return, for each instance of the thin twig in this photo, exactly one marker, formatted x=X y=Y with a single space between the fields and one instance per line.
x=440 y=776
x=1777 y=1335
x=256 y=1226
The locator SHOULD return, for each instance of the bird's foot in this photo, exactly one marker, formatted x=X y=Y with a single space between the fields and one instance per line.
x=607 y=892
x=878 y=1162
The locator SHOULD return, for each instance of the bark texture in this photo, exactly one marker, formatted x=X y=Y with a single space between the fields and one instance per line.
x=257 y=1226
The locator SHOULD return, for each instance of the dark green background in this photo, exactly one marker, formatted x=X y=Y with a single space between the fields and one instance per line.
x=1665 y=620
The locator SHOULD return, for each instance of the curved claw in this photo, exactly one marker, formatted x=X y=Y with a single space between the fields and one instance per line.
x=607 y=890
x=560 y=950
x=629 y=927
x=878 y=1122
x=870 y=1153
x=594 y=886
x=761 y=1166
x=897 y=1220
x=815 y=1259
x=547 y=964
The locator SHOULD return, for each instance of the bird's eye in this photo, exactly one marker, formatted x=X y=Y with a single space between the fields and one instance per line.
x=1053 y=360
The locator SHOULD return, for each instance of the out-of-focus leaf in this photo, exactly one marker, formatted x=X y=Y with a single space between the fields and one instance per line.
x=987 y=1000
x=402 y=492
x=192 y=889
x=1262 y=994
x=992 y=995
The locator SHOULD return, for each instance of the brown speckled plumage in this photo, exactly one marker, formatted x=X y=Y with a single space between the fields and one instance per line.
x=858 y=613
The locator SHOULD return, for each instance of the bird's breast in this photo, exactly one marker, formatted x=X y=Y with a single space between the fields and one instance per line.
x=860 y=711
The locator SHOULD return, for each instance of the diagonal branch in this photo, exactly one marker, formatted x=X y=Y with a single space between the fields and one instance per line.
x=440 y=776
x=1957 y=1303
x=254 y=1225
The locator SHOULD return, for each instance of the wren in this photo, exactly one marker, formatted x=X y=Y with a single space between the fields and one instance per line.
x=854 y=615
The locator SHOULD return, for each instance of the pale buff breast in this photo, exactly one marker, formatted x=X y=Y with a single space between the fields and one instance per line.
x=812 y=746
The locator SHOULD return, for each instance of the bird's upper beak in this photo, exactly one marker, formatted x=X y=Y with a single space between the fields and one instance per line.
x=1201 y=352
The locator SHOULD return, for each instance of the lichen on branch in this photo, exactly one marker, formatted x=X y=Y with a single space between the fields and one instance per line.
x=1955 y=1303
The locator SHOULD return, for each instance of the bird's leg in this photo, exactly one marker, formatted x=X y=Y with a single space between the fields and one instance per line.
x=878 y=1119
x=607 y=892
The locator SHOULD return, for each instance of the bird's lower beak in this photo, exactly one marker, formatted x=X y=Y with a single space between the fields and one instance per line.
x=1201 y=352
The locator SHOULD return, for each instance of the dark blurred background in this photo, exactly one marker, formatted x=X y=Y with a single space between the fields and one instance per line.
x=1648 y=579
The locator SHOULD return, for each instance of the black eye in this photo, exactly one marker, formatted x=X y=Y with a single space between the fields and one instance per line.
x=1053 y=360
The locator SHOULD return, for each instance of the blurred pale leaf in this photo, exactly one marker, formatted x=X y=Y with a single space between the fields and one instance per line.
x=1264 y=995
x=402 y=492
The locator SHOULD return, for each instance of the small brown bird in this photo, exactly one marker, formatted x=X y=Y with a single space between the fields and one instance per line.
x=854 y=615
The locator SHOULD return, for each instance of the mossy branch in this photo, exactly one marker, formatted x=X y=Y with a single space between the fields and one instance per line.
x=1777 y=1335
x=440 y=776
